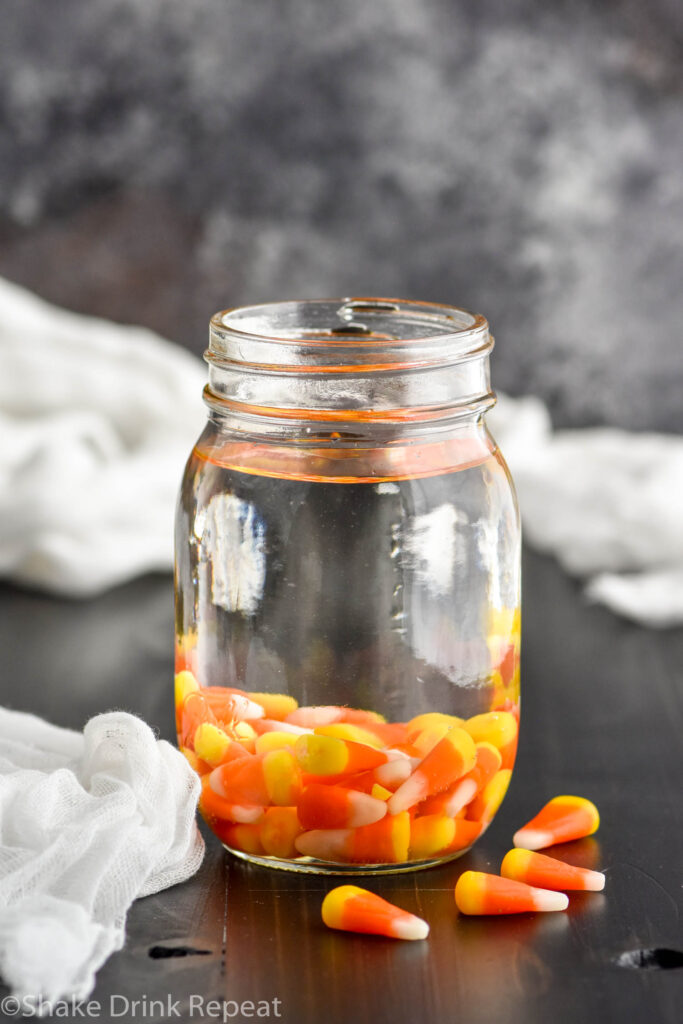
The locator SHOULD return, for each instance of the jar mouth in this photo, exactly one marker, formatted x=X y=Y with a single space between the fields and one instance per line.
x=352 y=359
x=346 y=335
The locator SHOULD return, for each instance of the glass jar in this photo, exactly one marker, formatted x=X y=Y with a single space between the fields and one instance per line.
x=347 y=587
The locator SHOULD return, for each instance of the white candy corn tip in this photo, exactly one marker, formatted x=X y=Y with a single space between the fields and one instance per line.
x=532 y=839
x=244 y=708
x=595 y=881
x=460 y=797
x=546 y=900
x=246 y=814
x=411 y=928
x=408 y=793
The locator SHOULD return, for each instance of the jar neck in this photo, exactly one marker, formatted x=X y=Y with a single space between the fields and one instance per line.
x=351 y=371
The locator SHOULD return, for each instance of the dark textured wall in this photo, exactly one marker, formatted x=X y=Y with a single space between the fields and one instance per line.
x=162 y=159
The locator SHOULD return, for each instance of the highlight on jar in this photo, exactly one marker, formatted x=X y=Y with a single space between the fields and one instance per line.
x=348 y=587
x=332 y=786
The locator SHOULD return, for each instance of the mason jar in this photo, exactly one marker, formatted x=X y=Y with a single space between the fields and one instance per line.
x=347 y=587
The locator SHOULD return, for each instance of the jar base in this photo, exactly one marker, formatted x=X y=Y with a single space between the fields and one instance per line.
x=308 y=865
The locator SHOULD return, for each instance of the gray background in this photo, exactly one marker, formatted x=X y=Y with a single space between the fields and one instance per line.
x=162 y=159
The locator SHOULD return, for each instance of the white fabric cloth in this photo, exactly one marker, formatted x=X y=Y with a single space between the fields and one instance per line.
x=88 y=822
x=607 y=503
x=97 y=420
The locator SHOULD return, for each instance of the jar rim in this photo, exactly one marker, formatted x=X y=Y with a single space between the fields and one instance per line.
x=353 y=332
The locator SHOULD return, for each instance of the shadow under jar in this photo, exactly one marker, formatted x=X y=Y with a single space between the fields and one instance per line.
x=347 y=587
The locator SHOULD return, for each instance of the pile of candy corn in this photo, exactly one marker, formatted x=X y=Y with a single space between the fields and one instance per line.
x=528 y=881
x=339 y=784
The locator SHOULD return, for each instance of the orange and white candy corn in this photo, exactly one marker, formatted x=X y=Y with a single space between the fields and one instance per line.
x=449 y=760
x=329 y=755
x=562 y=819
x=272 y=778
x=385 y=842
x=214 y=806
x=478 y=893
x=349 y=908
x=549 y=873
x=321 y=806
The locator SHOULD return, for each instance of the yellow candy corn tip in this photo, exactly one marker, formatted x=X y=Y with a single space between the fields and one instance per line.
x=211 y=743
x=333 y=904
x=515 y=862
x=321 y=755
x=185 y=683
x=274 y=741
x=280 y=773
x=496 y=727
x=430 y=835
x=380 y=793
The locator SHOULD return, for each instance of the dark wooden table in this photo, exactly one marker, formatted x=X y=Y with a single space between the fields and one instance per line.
x=601 y=718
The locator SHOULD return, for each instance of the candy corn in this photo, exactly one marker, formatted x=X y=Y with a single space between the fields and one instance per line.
x=451 y=758
x=214 y=806
x=335 y=807
x=563 y=818
x=272 y=778
x=351 y=909
x=478 y=893
x=385 y=842
x=328 y=755
x=548 y=873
